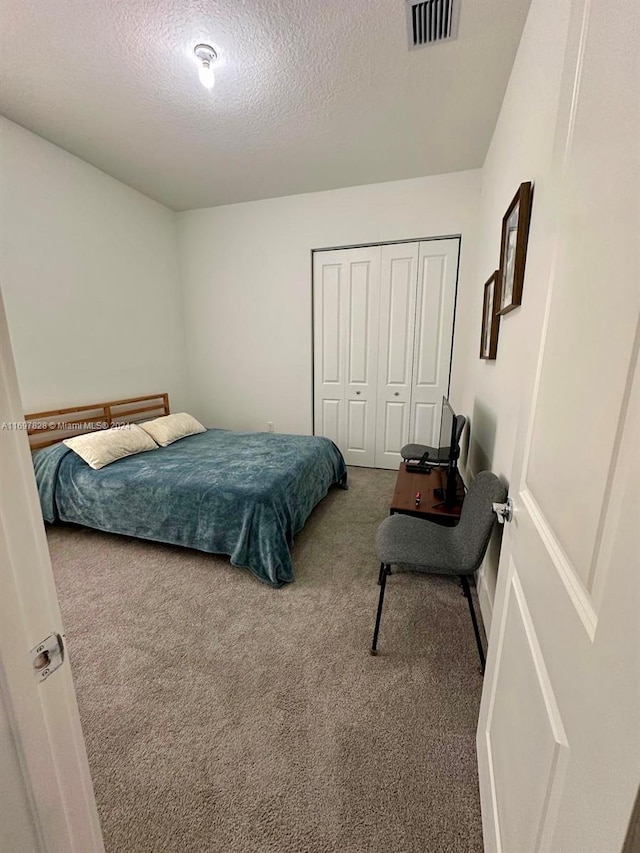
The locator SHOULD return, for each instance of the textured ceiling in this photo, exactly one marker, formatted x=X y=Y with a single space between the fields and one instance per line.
x=310 y=94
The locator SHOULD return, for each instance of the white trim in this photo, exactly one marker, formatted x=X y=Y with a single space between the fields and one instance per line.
x=485 y=601
x=563 y=565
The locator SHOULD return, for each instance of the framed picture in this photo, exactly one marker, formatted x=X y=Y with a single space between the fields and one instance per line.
x=513 y=248
x=490 y=317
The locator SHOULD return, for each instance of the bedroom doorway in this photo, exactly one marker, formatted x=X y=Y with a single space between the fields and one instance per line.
x=383 y=318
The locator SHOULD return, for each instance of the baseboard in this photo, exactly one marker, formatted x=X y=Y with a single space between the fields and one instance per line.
x=486 y=604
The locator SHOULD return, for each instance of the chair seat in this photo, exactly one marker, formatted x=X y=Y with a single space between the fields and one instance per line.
x=415 y=451
x=418 y=545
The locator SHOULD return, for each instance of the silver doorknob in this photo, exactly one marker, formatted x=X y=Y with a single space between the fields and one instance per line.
x=504 y=511
x=396 y=393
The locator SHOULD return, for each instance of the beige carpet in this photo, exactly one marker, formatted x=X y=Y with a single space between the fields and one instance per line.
x=224 y=716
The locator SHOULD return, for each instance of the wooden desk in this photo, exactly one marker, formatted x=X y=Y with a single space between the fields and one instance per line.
x=431 y=507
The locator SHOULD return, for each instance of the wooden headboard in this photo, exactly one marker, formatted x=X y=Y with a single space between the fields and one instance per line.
x=45 y=428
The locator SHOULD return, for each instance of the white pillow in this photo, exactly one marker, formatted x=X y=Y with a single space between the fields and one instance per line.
x=101 y=448
x=170 y=428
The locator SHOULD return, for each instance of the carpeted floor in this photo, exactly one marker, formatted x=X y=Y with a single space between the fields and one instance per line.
x=222 y=716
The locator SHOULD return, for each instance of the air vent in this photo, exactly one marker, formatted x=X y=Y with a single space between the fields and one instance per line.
x=431 y=21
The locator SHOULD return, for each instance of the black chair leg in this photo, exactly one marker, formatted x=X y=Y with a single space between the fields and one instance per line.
x=476 y=630
x=384 y=571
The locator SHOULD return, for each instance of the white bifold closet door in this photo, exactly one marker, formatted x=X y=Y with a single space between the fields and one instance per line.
x=346 y=294
x=433 y=338
x=383 y=325
x=398 y=284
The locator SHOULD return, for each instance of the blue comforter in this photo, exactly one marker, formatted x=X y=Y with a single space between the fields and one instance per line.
x=236 y=493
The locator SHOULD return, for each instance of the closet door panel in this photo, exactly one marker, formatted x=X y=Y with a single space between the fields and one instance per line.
x=395 y=350
x=395 y=427
x=327 y=310
x=435 y=304
x=429 y=321
x=346 y=297
x=357 y=432
x=426 y=422
x=330 y=419
x=362 y=309
x=328 y=349
x=330 y=326
x=359 y=336
x=398 y=316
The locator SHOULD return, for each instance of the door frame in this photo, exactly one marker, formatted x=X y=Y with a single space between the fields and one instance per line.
x=457 y=237
x=52 y=770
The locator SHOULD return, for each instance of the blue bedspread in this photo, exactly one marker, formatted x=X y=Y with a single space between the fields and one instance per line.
x=236 y=493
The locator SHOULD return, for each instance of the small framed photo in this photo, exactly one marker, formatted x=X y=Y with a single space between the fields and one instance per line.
x=513 y=248
x=490 y=317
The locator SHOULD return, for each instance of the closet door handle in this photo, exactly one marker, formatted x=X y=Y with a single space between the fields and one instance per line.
x=396 y=393
x=358 y=392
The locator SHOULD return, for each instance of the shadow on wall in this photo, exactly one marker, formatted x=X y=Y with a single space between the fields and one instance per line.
x=492 y=557
x=481 y=439
x=480 y=448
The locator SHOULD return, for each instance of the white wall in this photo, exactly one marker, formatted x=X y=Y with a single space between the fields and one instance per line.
x=246 y=272
x=521 y=149
x=90 y=281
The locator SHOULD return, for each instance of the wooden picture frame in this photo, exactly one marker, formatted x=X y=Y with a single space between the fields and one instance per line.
x=490 y=317
x=513 y=248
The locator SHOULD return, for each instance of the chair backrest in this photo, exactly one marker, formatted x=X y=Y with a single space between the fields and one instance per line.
x=460 y=422
x=415 y=451
x=473 y=531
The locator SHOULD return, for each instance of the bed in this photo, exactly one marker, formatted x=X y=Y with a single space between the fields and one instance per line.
x=237 y=493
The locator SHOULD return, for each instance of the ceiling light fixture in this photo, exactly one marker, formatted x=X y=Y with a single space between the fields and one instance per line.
x=206 y=57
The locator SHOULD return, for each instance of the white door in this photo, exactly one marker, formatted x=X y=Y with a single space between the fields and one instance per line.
x=346 y=299
x=47 y=801
x=435 y=306
x=559 y=730
x=398 y=281
x=383 y=325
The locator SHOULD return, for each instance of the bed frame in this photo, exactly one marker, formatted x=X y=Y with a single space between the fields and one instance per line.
x=45 y=428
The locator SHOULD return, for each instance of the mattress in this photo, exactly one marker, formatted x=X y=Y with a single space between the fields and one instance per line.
x=236 y=493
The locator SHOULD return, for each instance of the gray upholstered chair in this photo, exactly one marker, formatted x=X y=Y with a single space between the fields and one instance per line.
x=415 y=544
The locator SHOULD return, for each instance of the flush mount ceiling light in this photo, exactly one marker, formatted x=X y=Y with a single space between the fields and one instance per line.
x=206 y=57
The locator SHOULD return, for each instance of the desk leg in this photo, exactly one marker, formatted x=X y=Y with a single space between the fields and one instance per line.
x=467 y=594
x=389 y=572
x=391 y=512
x=374 y=643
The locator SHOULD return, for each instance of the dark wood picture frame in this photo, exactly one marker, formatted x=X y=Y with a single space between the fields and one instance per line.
x=513 y=248
x=490 y=317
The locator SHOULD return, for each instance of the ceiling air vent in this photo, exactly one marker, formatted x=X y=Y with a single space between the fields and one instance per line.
x=431 y=21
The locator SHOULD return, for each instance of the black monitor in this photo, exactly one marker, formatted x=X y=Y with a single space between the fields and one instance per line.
x=420 y=457
x=447 y=440
x=451 y=426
